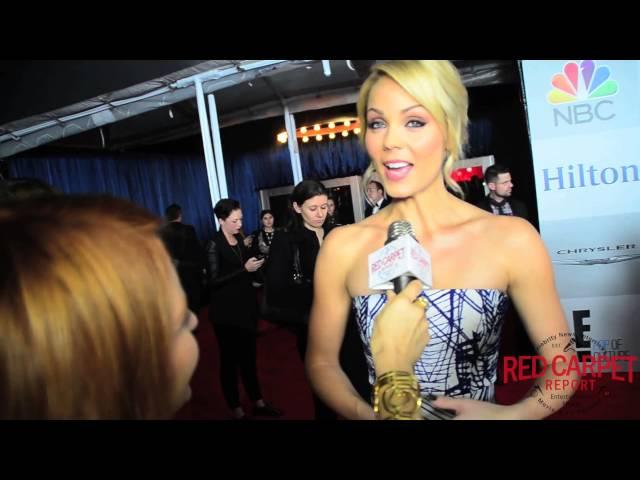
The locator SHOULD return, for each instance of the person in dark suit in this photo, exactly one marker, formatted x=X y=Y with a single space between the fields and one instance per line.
x=377 y=200
x=234 y=309
x=499 y=201
x=186 y=252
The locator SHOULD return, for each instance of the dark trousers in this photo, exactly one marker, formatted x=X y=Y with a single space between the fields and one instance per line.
x=191 y=284
x=322 y=411
x=352 y=360
x=237 y=351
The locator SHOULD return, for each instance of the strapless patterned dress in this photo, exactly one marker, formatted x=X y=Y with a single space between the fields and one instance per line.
x=461 y=359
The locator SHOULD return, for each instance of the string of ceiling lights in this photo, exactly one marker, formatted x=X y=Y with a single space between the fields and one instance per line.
x=318 y=131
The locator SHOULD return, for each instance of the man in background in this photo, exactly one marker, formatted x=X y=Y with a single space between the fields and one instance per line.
x=186 y=252
x=499 y=200
x=377 y=200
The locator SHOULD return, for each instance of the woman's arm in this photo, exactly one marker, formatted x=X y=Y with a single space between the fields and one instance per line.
x=329 y=314
x=532 y=289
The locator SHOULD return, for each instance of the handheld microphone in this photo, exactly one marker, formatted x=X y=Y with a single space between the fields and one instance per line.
x=401 y=260
x=396 y=230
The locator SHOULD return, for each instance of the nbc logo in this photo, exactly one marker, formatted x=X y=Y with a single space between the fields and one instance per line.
x=581 y=82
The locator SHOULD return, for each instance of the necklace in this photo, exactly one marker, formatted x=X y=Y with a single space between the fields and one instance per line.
x=237 y=251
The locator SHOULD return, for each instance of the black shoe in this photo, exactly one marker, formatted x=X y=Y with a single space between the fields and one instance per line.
x=267 y=411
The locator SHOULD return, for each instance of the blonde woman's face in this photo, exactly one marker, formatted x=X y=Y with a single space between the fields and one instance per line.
x=403 y=140
x=184 y=348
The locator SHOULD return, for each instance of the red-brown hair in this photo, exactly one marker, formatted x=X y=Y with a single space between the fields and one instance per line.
x=85 y=314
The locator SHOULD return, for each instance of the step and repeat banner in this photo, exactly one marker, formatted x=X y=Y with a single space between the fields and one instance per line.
x=584 y=124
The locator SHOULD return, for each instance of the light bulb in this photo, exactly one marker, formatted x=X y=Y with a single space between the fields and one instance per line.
x=303 y=130
x=305 y=139
x=332 y=135
x=319 y=138
x=356 y=130
x=316 y=127
x=282 y=137
x=332 y=125
x=347 y=123
x=345 y=133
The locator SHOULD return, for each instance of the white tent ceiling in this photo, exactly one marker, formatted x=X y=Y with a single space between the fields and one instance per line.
x=164 y=108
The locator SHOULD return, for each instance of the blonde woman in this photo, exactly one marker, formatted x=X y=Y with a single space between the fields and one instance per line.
x=414 y=122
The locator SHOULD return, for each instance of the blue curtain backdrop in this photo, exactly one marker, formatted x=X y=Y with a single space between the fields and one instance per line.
x=157 y=180
x=151 y=180
x=249 y=172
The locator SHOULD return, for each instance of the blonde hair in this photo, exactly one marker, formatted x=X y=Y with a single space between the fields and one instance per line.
x=85 y=315
x=437 y=86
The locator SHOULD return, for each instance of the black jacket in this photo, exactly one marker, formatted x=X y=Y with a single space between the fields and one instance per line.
x=519 y=208
x=233 y=298
x=368 y=210
x=182 y=244
x=332 y=222
x=188 y=257
x=282 y=291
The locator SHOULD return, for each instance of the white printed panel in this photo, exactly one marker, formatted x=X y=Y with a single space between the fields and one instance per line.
x=583 y=176
x=611 y=325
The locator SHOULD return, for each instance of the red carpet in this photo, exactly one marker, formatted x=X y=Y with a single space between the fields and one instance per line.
x=284 y=384
x=280 y=372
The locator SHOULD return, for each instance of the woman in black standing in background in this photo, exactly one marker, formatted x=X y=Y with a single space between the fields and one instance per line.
x=304 y=235
x=261 y=242
x=234 y=310
x=263 y=236
x=302 y=238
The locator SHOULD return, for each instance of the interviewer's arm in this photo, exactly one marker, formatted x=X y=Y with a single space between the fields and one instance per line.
x=400 y=335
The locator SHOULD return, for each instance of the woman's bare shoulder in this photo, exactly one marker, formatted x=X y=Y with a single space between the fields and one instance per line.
x=348 y=241
x=354 y=231
x=509 y=237
x=512 y=229
x=508 y=226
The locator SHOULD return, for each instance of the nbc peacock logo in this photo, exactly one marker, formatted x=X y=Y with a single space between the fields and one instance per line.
x=580 y=82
